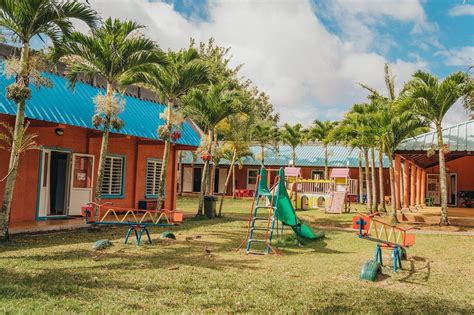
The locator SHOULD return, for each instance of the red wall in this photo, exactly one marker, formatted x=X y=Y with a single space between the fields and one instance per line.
x=81 y=140
x=464 y=168
x=241 y=176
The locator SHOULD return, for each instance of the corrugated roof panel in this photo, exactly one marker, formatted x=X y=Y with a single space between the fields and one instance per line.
x=62 y=105
x=307 y=155
x=458 y=137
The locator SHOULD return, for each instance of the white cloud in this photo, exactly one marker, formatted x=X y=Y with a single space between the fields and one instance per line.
x=458 y=57
x=357 y=19
x=456 y=114
x=462 y=9
x=308 y=71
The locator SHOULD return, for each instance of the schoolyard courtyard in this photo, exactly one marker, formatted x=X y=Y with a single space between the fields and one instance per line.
x=201 y=270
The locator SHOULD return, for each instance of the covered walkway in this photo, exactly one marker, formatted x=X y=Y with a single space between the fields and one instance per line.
x=417 y=183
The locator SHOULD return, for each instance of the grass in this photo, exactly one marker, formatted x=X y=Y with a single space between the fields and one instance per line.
x=202 y=272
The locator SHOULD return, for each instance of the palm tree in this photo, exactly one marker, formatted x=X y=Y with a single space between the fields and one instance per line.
x=113 y=52
x=355 y=130
x=392 y=122
x=25 y=142
x=397 y=124
x=265 y=134
x=293 y=136
x=235 y=147
x=321 y=131
x=432 y=100
x=27 y=19
x=183 y=71
x=208 y=109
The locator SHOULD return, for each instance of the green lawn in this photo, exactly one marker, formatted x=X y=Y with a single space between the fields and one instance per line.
x=58 y=272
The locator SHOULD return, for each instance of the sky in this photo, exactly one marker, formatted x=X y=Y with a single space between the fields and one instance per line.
x=309 y=56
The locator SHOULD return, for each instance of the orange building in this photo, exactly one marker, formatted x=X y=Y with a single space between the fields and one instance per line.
x=58 y=178
x=417 y=168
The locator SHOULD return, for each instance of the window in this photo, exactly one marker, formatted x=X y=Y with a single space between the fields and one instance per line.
x=317 y=174
x=112 y=183
x=252 y=177
x=153 y=171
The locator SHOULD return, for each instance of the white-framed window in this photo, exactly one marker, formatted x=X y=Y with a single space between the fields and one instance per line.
x=317 y=174
x=153 y=171
x=251 y=178
x=113 y=180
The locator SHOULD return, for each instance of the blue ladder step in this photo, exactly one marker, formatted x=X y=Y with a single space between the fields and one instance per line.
x=260 y=229
x=262 y=218
x=265 y=207
x=253 y=252
x=257 y=241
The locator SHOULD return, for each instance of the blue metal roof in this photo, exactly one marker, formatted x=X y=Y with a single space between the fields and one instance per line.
x=458 y=137
x=60 y=104
x=306 y=155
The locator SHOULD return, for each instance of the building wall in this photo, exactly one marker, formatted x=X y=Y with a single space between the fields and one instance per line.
x=81 y=140
x=241 y=176
x=464 y=168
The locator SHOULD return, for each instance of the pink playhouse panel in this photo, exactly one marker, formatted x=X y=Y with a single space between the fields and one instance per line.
x=340 y=173
x=292 y=171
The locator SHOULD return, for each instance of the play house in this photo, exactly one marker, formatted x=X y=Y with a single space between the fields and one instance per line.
x=332 y=194
x=58 y=178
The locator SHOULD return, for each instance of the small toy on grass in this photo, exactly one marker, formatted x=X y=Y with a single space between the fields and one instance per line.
x=168 y=235
x=101 y=244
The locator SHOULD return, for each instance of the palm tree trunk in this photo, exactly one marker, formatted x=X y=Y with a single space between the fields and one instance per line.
x=213 y=168
x=442 y=178
x=326 y=161
x=392 y=187
x=372 y=174
x=103 y=147
x=23 y=82
x=293 y=155
x=233 y=183
x=205 y=177
x=180 y=172
x=367 y=180
x=361 y=177
x=227 y=180
x=166 y=157
x=381 y=186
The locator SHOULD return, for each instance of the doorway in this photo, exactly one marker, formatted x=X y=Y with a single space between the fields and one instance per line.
x=59 y=171
x=197 y=173
x=54 y=189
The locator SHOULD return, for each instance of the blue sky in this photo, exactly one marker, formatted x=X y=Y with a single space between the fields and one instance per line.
x=309 y=55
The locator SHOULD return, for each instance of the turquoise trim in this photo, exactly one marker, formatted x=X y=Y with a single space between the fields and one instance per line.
x=151 y=196
x=40 y=172
x=38 y=193
x=124 y=171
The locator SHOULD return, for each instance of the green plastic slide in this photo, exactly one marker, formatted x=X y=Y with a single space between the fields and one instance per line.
x=285 y=211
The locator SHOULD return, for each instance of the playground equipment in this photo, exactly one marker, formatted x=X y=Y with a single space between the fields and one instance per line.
x=277 y=207
x=137 y=220
x=334 y=194
x=386 y=236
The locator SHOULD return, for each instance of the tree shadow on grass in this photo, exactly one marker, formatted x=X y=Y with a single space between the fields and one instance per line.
x=419 y=270
x=92 y=234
